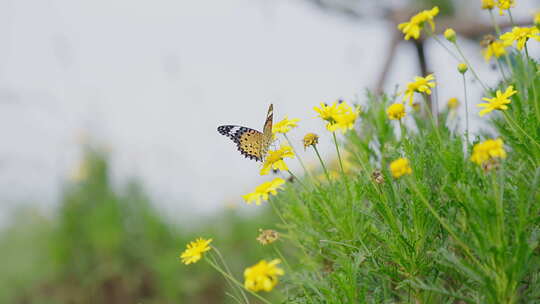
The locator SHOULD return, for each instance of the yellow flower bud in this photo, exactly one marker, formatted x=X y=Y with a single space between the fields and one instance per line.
x=453 y=103
x=462 y=68
x=450 y=35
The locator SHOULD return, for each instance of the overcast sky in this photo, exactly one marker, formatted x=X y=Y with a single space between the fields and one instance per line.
x=151 y=81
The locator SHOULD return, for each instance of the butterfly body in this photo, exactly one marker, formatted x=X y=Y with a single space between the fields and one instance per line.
x=251 y=143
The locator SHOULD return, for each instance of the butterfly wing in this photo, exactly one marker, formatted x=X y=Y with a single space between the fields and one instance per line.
x=248 y=141
x=251 y=143
x=267 y=131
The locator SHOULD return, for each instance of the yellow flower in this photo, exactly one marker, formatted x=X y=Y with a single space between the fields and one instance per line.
x=416 y=23
x=285 y=125
x=453 y=103
x=267 y=236
x=496 y=48
x=262 y=276
x=488 y=4
x=488 y=150
x=499 y=102
x=505 y=5
x=462 y=68
x=274 y=160
x=419 y=85
x=520 y=35
x=400 y=167
x=340 y=116
x=195 y=250
x=450 y=35
x=311 y=139
x=262 y=191
x=396 y=111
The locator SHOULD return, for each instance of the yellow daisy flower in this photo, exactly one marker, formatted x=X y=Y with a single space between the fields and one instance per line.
x=274 y=160
x=496 y=48
x=285 y=125
x=499 y=102
x=400 y=167
x=521 y=35
x=505 y=5
x=396 y=111
x=488 y=4
x=419 y=85
x=413 y=27
x=263 y=191
x=195 y=250
x=262 y=276
x=488 y=150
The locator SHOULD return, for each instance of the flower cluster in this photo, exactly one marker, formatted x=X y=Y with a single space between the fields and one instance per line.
x=413 y=27
x=339 y=115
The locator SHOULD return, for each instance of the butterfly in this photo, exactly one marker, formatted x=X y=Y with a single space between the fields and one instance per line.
x=251 y=143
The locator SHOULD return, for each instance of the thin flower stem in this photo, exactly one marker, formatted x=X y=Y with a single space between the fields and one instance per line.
x=532 y=84
x=229 y=272
x=466 y=111
x=513 y=124
x=338 y=153
x=498 y=191
x=511 y=18
x=297 y=179
x=226 y=275
x=322 y=163
x=501 y=70
x=345 y=177
x=431 y=118
x=297 y=155
x=498 y=31
x=443 y=45
x=495 y=24
x=470 y=67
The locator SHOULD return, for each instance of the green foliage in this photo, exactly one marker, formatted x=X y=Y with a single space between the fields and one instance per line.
x=451 y=231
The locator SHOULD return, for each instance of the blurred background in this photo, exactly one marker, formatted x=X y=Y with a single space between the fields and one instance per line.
x=110 y=160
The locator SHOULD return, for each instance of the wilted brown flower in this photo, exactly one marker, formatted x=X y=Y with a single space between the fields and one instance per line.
x=267 y=236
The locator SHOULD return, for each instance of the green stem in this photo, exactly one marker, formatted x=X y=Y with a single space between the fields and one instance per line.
x=297 y=155
x=466 y=111
x=511 y=18
x=297 y=179
x=242 y=293
x=498 y=31
x=338 y=153
x=443 y=45
x=322 y=163
x=232 y=279
x=470 y=67
x=502 y=71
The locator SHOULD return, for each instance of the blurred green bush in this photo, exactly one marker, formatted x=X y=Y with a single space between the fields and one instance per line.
x=109 y=246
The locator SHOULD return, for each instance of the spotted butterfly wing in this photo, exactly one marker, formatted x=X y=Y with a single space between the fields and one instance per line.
x=251 y=143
